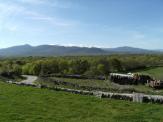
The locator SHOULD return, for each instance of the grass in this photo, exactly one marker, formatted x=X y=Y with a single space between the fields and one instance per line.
x=27 y=104
x=107 y=85
x=154 y=72
x=85 y=82
x=13 y=78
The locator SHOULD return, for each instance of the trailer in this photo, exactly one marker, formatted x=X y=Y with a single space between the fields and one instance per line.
x=129 y=79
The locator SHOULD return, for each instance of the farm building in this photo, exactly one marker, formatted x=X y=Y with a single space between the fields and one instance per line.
x=129 y=79
x=155 y=84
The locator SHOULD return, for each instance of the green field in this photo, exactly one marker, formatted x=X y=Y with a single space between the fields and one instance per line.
x=154 y=72
x=104 y=85
x=85 y=82
x=29 y=104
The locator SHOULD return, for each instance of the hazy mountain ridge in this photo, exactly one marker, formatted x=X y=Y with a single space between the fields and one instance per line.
x=49 y=50
x=56 y=50
x=127 y=49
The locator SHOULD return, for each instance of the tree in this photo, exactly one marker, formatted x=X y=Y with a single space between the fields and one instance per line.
x=116 y=65
x=17 y=70
x=101 y=69
x=63 y=66
x=79 y=66
x=104 y=65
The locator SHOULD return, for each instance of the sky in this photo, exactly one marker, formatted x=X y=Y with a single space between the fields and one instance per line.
x=91 y=23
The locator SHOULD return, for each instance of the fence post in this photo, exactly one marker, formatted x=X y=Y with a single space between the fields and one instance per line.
x=138 y=97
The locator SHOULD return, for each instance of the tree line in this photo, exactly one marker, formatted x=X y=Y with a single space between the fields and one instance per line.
x=81 y=65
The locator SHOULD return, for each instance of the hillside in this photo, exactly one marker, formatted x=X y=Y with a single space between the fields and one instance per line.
x=55 y=50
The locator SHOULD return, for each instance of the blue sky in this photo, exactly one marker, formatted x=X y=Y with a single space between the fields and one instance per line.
x=100 y=23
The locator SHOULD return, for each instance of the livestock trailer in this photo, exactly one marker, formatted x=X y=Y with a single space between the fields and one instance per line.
x=129 y=79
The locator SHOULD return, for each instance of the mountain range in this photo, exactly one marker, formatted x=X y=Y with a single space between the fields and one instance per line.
x=56 y=50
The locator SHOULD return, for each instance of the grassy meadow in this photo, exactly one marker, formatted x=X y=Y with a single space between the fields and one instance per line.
x=107 y=85
x=27 y=104
x=156 y=72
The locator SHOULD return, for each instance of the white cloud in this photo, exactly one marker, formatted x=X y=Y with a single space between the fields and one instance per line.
x=51 y=20
x=10 y=8
x=36 y=2
x=8 y=11
x=51 y=3
x=82 y=45
x=12 y=12
x=60 y=4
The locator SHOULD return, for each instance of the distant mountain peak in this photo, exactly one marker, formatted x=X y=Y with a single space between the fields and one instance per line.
x=27 y=45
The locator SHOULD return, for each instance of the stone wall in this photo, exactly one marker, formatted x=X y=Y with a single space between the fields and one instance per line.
x=135 y=97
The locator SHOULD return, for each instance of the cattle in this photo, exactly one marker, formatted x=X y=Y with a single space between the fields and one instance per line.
x=157 y=84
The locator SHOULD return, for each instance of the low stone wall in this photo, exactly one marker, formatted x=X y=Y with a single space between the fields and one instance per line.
x=135 y=97
x=75 y=76
x=82 y=87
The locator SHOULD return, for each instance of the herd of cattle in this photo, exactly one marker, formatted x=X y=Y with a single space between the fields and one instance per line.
x=134 y=79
